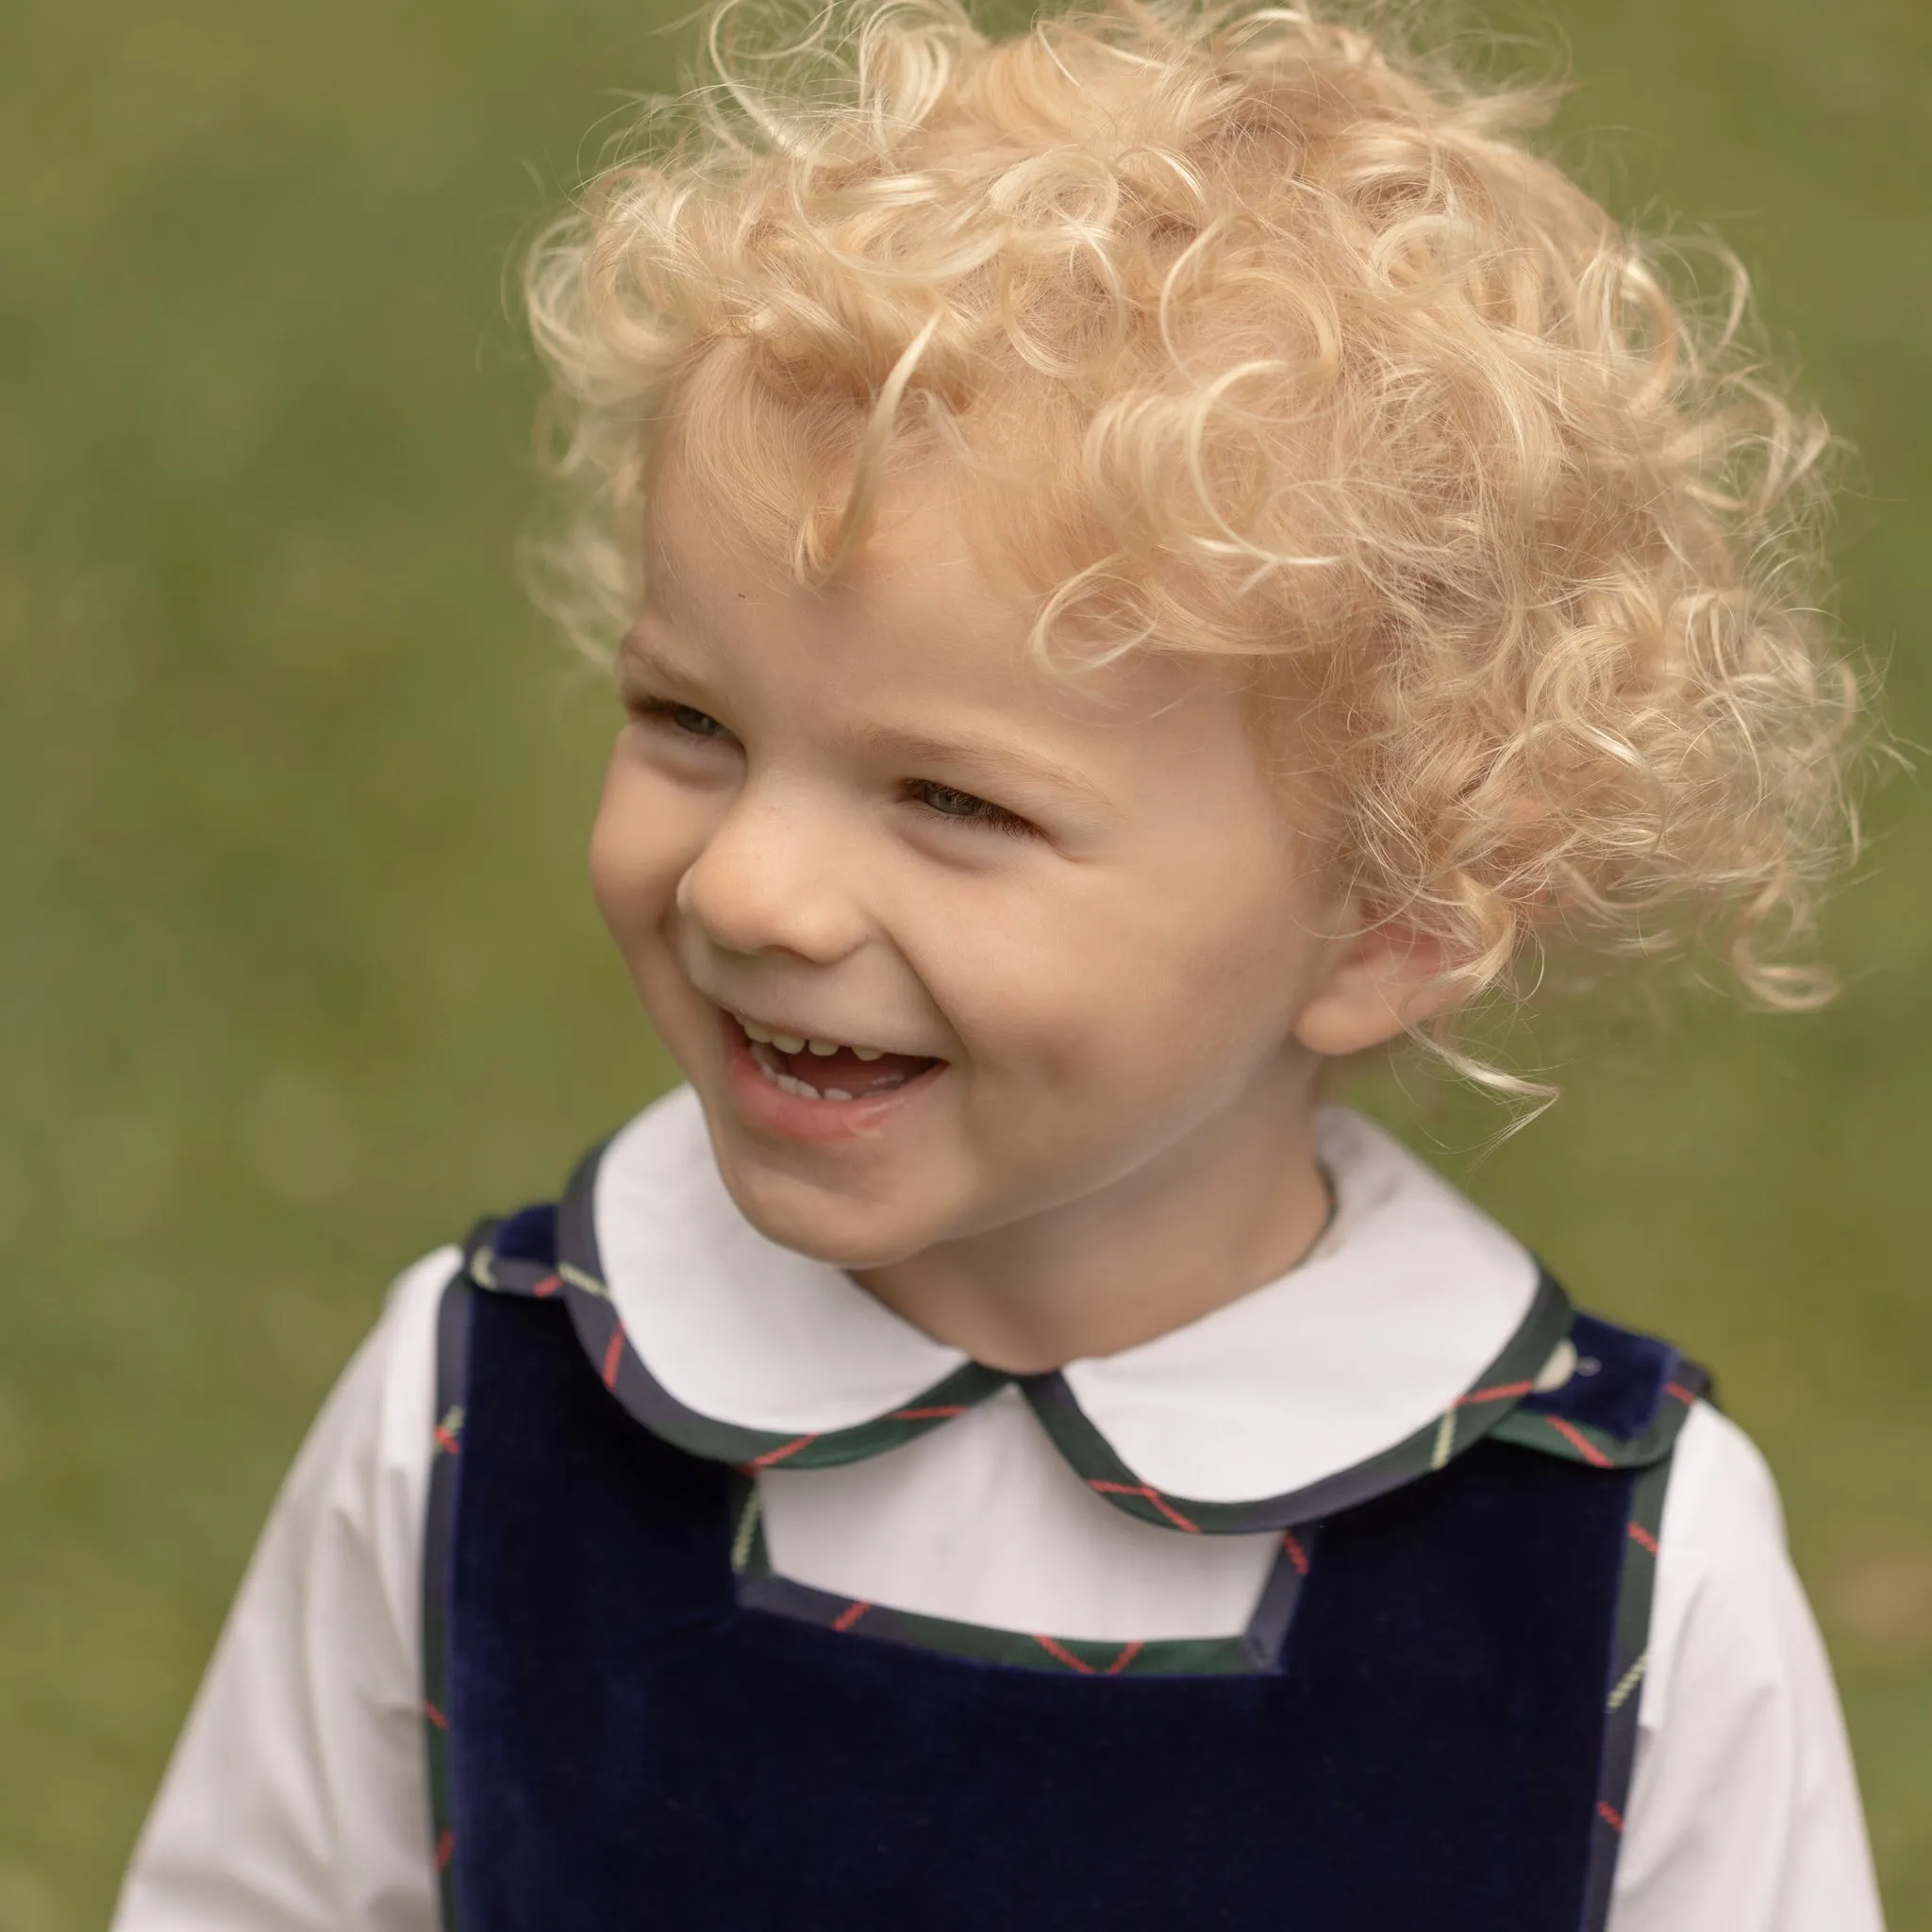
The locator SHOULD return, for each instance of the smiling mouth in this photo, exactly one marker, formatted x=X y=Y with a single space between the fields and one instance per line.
x=813 y=1069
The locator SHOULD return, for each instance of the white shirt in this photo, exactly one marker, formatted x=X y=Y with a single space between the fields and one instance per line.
x=296 y=1798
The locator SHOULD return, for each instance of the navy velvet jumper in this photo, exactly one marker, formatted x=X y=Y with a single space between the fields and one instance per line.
x=1438 y=1743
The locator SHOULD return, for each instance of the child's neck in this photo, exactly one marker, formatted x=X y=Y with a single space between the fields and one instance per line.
x=1234 y=1203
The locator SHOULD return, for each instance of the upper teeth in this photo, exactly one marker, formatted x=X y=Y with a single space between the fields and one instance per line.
x=798 y=1042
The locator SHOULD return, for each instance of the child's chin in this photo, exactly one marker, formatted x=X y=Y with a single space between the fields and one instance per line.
x=828 y=1226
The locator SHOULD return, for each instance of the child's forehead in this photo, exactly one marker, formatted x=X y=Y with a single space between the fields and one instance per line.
x=930 y=597
x=923 y=542
x=950 y=523
x=927 y=612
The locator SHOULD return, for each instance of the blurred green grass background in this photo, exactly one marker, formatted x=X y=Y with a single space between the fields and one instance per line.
x=297 y=971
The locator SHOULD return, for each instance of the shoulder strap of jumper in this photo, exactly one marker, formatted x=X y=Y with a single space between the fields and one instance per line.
x=1621 y=1410
x=523 y=1251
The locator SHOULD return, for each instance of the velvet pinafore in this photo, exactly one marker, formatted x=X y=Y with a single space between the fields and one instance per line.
x=1428 y=1724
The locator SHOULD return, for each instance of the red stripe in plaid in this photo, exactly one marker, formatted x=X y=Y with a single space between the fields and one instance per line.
x=1296 y=1555
x=1682 y=1394
x=1642 y=1537
x=1610 y=1814
x=1503 y=1391
x=1579 y=1441
x=849 y=1616
x=444 y=1441
x=1128 y=1653
x=1061 y=1654
x=771 y=1456
x=445 y=1848
x=435 y=1716
x=547 y=1286
x=612 y=1355
x=929 y=1415
x=1154 y=1496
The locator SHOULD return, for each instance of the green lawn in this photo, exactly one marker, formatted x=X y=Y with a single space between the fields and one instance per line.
x=297 y=972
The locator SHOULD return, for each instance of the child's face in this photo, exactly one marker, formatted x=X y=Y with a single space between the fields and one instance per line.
x=1070 y=927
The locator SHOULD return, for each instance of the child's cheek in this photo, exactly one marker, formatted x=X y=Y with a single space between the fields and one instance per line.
x=1127 y=1032
x=632 y=870
x=1060 y=1054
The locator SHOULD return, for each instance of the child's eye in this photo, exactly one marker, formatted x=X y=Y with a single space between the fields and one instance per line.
x=699 y=723
x=948 y=802
x=687 y=719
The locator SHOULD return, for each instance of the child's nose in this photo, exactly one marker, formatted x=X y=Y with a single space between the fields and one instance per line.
x=773 y=875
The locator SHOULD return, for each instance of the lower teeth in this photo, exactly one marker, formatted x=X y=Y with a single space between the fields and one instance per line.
x=790 y=1083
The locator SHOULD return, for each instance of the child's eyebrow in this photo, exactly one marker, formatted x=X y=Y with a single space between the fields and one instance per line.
x=634 y=654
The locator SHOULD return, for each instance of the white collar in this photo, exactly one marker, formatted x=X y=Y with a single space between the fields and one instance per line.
x=1409 y=1294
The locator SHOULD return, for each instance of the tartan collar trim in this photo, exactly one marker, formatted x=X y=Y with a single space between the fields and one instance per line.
x=578 y=1277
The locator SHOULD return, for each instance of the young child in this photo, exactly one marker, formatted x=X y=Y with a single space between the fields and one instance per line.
x=1153 y=556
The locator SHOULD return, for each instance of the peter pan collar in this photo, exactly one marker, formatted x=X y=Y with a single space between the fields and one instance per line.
x=1414 y=1325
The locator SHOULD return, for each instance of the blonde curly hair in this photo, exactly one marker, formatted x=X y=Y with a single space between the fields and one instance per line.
x=1267 y=338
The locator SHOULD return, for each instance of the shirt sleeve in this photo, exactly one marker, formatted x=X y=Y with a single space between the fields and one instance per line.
x=1744 y=1808
x=296 y=1800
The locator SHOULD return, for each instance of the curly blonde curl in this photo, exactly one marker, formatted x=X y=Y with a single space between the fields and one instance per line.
x=1267 y=338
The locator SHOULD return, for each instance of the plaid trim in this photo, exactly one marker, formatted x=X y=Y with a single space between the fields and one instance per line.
x=452 y=1381
x=1478 y=1412
x=1623 y=1695
x=579 y=1280
x=1253 y=1652
x=1685 y=1384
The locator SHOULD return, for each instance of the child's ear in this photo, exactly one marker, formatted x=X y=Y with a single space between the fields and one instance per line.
x=1387 y=977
